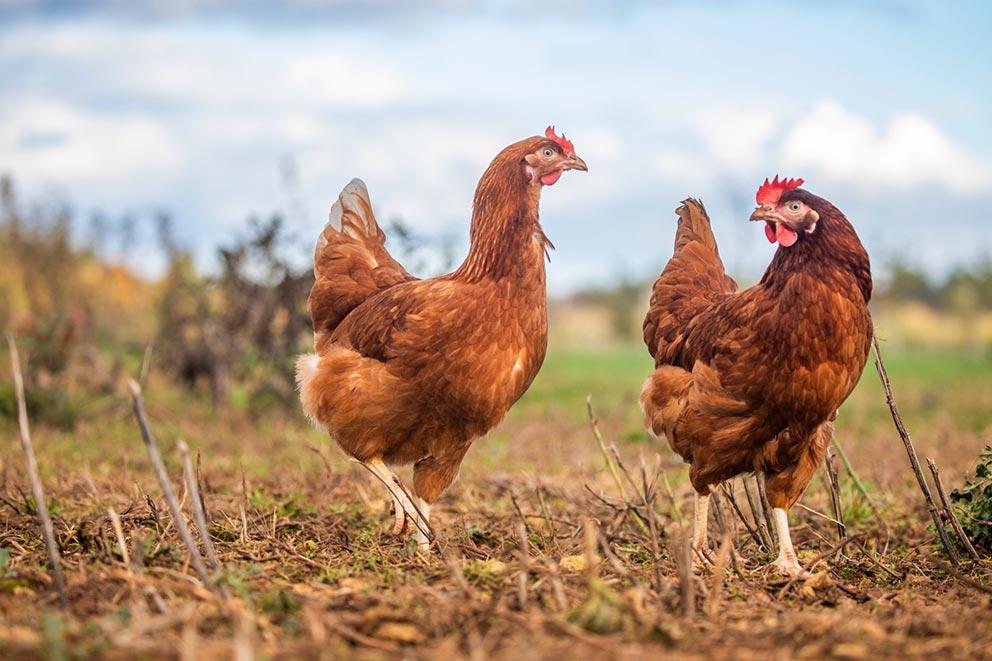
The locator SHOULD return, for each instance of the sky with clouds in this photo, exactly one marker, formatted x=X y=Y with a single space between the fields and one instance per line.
x=199 y=108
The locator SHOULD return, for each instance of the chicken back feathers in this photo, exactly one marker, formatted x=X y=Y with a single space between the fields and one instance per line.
x=751 y=380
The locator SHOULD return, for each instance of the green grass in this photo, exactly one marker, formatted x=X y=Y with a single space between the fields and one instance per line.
x=942 y=394
x=940 y=390
x=611 y=375
x=932 y=388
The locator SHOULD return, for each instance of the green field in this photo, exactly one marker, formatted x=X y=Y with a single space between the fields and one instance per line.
x=938 y=391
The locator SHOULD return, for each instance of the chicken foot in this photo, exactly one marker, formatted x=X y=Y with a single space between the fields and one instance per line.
x=406 y=513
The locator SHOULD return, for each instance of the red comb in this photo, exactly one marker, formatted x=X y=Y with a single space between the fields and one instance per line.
x=770 y=191
x=565 y=144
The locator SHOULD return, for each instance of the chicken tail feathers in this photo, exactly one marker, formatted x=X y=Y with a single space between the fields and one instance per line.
x=350 y=262
x=693 y=279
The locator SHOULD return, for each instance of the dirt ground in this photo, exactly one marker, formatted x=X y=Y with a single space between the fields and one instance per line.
x=540 y=552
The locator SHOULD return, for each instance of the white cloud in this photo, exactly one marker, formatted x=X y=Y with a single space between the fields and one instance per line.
x=907 y=150
x=828 y=142
x=735 y=137
x=44 y=139
x=333 y=79
x=684 y=165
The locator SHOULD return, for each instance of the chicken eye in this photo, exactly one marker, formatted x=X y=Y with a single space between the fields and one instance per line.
x=795 y=206
x=548 y=152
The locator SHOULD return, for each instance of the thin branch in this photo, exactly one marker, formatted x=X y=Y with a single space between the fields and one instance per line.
x=132 y=567
x=200 y=515
x=834 y=486
x=911 y=451
x=858 y=483
x=955 y=523
x=115 y=521
x=610 y=464
x=649 y=496
x=728 y=491
x=759 y=479
x=163 y=480
x=146 y=364
x=755 y=504
x=41 y=505
x=683 y=562
x=819 y=514
x=967 y=580
x=723 y=556
x=524 y=574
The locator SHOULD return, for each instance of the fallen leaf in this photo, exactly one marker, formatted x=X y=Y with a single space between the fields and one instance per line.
x=399 y=631
x=572 y=563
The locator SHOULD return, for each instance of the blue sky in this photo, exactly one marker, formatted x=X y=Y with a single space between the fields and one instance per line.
x=137 y=107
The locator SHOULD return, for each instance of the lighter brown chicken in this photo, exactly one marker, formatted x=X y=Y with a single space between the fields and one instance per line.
x=413 y=371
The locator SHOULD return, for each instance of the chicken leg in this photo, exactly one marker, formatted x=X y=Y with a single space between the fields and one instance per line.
x=787 y=562
x=405 y=513
x=700 y=514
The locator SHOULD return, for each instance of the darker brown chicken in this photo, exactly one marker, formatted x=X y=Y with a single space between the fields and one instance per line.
x=751 y=381
x=413 y=371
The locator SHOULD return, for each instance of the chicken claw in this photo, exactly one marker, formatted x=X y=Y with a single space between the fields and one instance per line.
x=399 y=516
x=404 y=512
x=702 y=557
x=790 y=567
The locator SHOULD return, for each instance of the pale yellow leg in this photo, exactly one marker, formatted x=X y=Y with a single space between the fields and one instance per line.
x=700 y=514
x=422 y=526
x=787 y=562
x=403 y=510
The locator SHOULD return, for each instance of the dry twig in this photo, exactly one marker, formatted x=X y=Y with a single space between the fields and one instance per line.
x=834 y=486
x=967 y=580
x=687 y=585
x=728 y=491
x=955 y=523
x=610 y=463
x=163 y=479
x=524 y=574
x=911 y=451
x=754 y=503
x=200 y=515
x=41 y=505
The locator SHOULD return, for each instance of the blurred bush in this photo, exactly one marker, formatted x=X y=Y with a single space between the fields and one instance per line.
x=244 y=324
x=974 y=502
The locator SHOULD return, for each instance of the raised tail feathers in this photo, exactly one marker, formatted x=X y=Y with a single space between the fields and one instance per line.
x=693 y=279
x=351 y=262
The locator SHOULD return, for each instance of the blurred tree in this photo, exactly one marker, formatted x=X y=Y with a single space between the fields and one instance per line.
x=421 y=254
x=246 y=324
x=908 y=282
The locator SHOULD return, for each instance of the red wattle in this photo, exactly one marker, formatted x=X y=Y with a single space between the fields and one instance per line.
x=551 y=178
x=770 y=233
x=786 y=235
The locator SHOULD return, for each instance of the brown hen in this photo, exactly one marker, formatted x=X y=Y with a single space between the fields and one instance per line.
x=751 y=381
x=413 y=371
